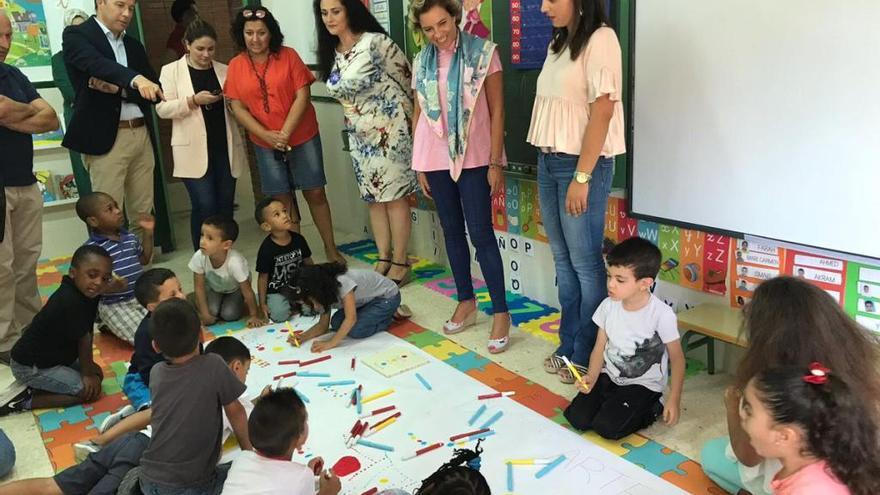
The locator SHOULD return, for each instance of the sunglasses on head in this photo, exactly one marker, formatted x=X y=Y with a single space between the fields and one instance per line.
x=248 y=13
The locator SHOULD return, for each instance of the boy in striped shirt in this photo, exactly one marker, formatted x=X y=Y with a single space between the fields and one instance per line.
x=118 y=310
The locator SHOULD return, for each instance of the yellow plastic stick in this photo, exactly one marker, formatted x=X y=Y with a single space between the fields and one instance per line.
x=290 y=330
x=574 y=372
x=377 y=396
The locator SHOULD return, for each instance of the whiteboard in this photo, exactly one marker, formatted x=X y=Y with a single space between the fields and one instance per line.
x=760 y=117
x=297 y=20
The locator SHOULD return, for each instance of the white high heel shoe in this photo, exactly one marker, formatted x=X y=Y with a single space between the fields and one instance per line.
x=497 y=346
x=452 y=328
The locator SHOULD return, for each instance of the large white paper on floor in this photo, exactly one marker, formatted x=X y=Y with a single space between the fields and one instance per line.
x=433 y=416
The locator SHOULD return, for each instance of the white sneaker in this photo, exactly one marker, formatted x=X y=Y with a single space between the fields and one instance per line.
x=82 y=450
x=115 y=418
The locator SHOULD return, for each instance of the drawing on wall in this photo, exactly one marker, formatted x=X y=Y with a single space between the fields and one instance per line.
x=30 y=36
x=476 y=18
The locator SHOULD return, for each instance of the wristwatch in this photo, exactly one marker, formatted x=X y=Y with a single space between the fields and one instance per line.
x=582 y=177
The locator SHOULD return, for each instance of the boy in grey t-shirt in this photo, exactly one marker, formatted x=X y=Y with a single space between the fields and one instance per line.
x=187 y=423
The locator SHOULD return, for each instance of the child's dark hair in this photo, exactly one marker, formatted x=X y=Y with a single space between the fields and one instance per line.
x=262 y=205
x=228 y=227
x=87 y=251
x=791 y=322
x=316 y=283
x=839 y=425
x=87 y=204
x=179 y=7
x=276 y=37
x=229 y=348
x=146 y=289
x=277 y=420
x=175 y=327
x=460 y=476
x=637 y=254
x=199 y=28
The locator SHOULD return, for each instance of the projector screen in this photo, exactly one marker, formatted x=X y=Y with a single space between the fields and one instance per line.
x=759 y=117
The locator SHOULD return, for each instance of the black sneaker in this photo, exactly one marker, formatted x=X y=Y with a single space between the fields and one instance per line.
x=19 y=403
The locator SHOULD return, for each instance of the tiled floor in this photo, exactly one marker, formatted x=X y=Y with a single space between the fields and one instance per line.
x=702 y=408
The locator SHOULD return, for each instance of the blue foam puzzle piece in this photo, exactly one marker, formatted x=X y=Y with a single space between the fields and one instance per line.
x=468 y=361
x=51 y=420
x=653 y=459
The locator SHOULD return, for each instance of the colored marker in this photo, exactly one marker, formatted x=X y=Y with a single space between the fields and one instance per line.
x=291 y=332
x=529 y=462
x=374 y=412
x=550 y=467
x=288 y=361
x=470 y=433
x=284 y=375
x=336 y=383
x=371 y=491
x=423 y=450
x=477 y=415
x=574 y=371
x=424 y=382
x=380 y=426
x=495 y=395
x=316 y=360
x=359 y=407
x=509 y=477
x=389 y=418
x=306 y=374
x=493 y=419
x=367 y=443
x=355 y=431
x=378 y=395
x=479 y=436
x=351 y=399
x=353 y=361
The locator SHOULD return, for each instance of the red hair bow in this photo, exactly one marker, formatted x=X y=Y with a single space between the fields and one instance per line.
x=818 y=374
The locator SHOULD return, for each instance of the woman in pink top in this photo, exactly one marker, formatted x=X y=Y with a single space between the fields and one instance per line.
x=577 y=126
x=458 y=152
x=820 y=428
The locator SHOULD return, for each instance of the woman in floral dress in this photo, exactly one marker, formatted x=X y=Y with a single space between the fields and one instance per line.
x=370 y=77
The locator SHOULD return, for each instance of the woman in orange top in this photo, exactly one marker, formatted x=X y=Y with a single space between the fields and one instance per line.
x=268 y=85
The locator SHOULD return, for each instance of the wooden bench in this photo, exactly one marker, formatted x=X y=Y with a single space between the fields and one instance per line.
x=708 y=323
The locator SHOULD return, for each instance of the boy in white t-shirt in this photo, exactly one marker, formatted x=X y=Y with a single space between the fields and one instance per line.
x=277 y=427
x=221 y=275
x=638 y=344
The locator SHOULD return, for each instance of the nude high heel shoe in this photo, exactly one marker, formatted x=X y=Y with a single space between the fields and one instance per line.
x=452 y=328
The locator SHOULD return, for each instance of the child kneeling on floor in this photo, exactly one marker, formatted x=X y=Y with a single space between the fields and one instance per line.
x=638 y=338
x=368 y=301
x=53 y=357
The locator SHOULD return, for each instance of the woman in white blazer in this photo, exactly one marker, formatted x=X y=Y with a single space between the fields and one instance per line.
x=206 y=142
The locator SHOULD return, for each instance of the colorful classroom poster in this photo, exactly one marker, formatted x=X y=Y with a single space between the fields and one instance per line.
x=827 y=273
x=30 y=38
x=476 y=18
x=862 y=298
x=527 y=198
x=48 y=140
x=626 y=226
x=752 y=264
x=669 y=242
x=540 y=231
x=414 y=40
x=511 y=194
x=691 y=258
x=612 y=212
x=499 y=210
x=530 y=33
x=649 y=231
x=715 y=259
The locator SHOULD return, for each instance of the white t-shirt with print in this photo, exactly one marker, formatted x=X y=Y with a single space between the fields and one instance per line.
x=230 y=453
x=253 y=474
x=226 y=278
x=636 y=350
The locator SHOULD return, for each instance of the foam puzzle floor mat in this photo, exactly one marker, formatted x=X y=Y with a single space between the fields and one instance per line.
x=61 y=428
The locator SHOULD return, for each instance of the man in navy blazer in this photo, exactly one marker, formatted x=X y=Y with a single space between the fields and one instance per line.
x=115 y=88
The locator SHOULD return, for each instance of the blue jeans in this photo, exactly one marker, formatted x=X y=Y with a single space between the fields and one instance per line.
x=303 y=171
x=372 y=318
x=213 y=487
x=212 y=194
x=576 y=243
x=65 y=380
x=279 y=307
x=468 y=200
x=136 y=390
x=7 y=455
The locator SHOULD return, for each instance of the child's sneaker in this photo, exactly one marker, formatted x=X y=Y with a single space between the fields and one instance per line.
x=82 y=450
x=21 y=402
x=111 y=420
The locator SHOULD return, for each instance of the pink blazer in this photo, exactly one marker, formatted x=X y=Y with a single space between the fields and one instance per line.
x=189 y=139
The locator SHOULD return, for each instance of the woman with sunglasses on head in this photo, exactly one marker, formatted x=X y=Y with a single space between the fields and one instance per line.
x=370 y=76
x=268 y=88
x=206 y=142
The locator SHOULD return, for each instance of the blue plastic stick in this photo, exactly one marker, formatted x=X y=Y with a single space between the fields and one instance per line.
x=336 y=383
x=357 y=401
x=477 y=415
x=424 y=382
x=480 y=435
x=367 y=443
x=302 y=396
x=306 y=374
x=509 y=477
x=492 y=420
x=550 y=467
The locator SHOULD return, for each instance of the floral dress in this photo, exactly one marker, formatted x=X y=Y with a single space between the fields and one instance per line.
x=371 y=81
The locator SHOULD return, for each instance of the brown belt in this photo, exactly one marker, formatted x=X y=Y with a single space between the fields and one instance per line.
x=131 y=124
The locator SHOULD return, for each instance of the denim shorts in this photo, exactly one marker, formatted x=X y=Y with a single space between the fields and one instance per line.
x=304 y=169
x=64 y=380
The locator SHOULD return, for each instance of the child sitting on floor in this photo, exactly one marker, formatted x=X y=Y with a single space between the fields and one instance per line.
x=118 y=309
x=820 y=427
x=281 y=254
x=188 y=392
x=278 y=426
x=460 y=476
x=221 y=276
x=53 y=357
x=636 y=348
x=368 y=301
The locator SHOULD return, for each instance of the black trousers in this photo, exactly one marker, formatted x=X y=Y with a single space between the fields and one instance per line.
x=614 y=411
